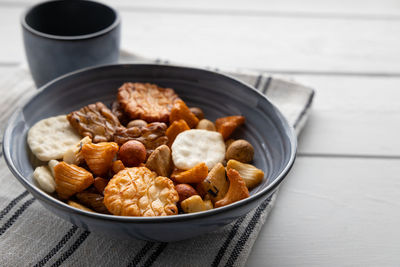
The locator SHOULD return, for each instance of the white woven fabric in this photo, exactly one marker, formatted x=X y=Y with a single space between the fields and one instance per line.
x=31 y=235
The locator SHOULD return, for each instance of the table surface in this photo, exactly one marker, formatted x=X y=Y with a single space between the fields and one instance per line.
x=340 y=204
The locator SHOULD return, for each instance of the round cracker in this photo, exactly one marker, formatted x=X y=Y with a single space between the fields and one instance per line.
x=49 y=138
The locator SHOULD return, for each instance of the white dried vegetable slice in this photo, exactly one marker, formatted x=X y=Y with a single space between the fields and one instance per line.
x=194 y=146
x=49 y=138
x=45 y=180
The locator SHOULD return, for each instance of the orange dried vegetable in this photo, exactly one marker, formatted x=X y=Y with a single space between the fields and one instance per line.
x=71 y=179
x=180 y=111
x=117 y=166
x=174 y=129
x=194 y=175
x=99 y=157
x=227 y=125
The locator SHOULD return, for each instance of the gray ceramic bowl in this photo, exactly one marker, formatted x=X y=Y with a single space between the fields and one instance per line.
x=218 y=95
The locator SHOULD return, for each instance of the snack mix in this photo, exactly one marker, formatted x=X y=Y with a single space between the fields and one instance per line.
x=147 y=154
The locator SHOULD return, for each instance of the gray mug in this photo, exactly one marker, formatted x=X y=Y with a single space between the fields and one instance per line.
x=65 y=35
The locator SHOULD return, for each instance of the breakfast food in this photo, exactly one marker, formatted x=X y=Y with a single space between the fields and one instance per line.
x=96 y=121
x=49 y=138
x=196 y=146
x=146 y=101
x=149 y=155
x=138 y=191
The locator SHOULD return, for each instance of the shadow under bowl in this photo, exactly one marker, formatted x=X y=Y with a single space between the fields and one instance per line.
x=216 y=94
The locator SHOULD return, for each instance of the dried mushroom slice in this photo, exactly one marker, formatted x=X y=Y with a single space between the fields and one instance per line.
x=146 y=101
x=151 y=136
x=96 y=121
x=139 y=192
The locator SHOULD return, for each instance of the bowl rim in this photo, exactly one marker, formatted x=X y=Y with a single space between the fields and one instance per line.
x=58 y=204
x=109 y=28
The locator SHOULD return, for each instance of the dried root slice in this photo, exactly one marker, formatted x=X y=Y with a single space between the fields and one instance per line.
x=99 y=157
x=71 y=179
x=160 y=161
x=250 y=174
x=193 y=204
x=180 y=111
x=100 y=184
x=194 y=175
x=92 y=200
x=117 y=166
x=227 y=125
x=237 y=189
x=45 y=179
x=216 y=184
x=73 y=155
x=78 y=206
x=174 y=129
x=138 y=191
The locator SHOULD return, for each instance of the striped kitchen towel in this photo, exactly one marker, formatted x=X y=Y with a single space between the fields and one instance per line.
x=32 y=236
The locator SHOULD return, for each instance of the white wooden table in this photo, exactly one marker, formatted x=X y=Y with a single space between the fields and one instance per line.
x=341 y=203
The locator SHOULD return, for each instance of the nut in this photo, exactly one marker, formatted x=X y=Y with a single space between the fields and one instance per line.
x=132 y=153
x=93 y=201
x=100 y=183
x=160 y=161
x=137 y=123
x=185 y=191
x=237 y=189
x=240 y=150
x=197 y=112
x=206 y=125
x=78 y=206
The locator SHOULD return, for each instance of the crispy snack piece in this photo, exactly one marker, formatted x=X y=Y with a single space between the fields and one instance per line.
x=237 y=189
x=92 y=200
x=160 y=161
x=227 y=125
x=74 y=154
x=151 y=136
x=146 y=101
x=95 y=121
x=251 y=175
x=181 y=112
x=194 y=175
x=119 y=112
x=78 y=206
x=100 y=184
x=138 y=191
x=174 y=129
x=71 y=179
x=99 y=156
x=216 y=184
x=117 y=166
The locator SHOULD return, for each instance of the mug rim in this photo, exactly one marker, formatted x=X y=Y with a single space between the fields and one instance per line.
x=109 y=28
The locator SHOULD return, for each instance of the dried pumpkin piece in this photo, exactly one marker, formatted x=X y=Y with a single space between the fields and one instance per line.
x=96 y=121
x=180 y=111
x=146 y=101
x=237 y=189
x=151 y=136
x=71 y=179
x=227 y=125
x=194 y=175
x=174 y=129
x=92 y=200
x=99 y=157
x=138 y=191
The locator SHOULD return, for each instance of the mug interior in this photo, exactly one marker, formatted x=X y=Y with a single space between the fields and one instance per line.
x=70 y=18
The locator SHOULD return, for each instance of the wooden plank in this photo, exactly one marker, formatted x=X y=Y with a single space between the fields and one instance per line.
x=372 y=8
x=334 y=213
x=270 y=43
x=352 y=116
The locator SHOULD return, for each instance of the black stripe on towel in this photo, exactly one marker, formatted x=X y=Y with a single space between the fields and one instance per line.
x=59 y=245
x=228 y=240
x=266 y=85
x=247 y=232
x=304 y=111
x=141 y=254
x=12 y=204
x=72 y=248
x=15 y=216
x=258 y=81
x=155 y=254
